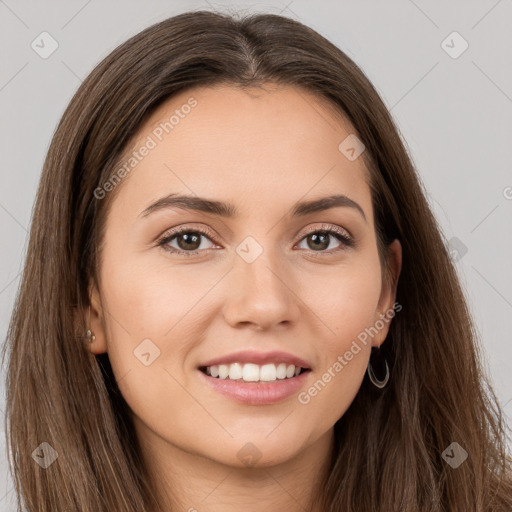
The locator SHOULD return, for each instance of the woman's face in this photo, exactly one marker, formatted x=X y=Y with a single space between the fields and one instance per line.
x=264 y=280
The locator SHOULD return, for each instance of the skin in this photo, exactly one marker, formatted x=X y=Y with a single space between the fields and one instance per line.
x=262 y=150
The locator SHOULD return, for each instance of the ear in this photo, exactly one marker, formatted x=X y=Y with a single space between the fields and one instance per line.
x=385 y=311
x=95 y=322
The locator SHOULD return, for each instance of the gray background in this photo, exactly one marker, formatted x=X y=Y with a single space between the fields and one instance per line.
x=454 y=114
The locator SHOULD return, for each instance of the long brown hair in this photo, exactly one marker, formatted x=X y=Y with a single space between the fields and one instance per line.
x=389 y=443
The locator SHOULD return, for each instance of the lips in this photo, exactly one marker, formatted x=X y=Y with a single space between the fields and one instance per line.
x=256 y=393
x=252 y=389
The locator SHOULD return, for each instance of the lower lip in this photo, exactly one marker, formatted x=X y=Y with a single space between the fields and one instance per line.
x=257 y=393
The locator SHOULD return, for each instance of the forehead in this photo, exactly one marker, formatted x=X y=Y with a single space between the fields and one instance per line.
x=251 y=146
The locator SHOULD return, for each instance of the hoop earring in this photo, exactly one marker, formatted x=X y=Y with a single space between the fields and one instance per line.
x=371 y=374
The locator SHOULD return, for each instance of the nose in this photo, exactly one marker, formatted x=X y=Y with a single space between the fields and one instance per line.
x=262 y=294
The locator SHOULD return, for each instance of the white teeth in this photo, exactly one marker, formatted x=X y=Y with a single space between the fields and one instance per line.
x=223 y=371
x=281 y=371
x=251 y=372
x=268 y=372
x=235 y=371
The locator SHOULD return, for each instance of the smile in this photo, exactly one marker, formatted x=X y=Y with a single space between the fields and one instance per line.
x=251 y=372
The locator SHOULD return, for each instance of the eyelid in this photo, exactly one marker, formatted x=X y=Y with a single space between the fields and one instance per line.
x=328 y=227
x=171 y=233
x=189 y=226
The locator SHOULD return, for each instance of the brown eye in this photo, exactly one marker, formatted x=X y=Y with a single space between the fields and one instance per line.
x=319 y=240
x=188 y=241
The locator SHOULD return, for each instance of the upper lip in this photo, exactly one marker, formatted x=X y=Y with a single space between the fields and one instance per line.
x=259 y=358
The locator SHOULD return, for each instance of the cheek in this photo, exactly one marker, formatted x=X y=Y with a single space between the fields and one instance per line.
x=156 y=309
x=146 y=311
x=347 y=308
x=346 y=300
x=149 y=299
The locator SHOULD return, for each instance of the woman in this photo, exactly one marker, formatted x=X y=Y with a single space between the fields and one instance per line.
x=237 y=298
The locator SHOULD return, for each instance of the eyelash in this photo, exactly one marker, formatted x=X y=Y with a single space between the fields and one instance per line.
x=329 y=229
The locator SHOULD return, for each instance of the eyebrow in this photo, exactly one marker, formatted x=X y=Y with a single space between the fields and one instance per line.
x=228 y=210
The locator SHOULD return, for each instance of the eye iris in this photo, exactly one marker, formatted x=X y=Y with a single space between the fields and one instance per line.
x=317 y=237
x=189 y=239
